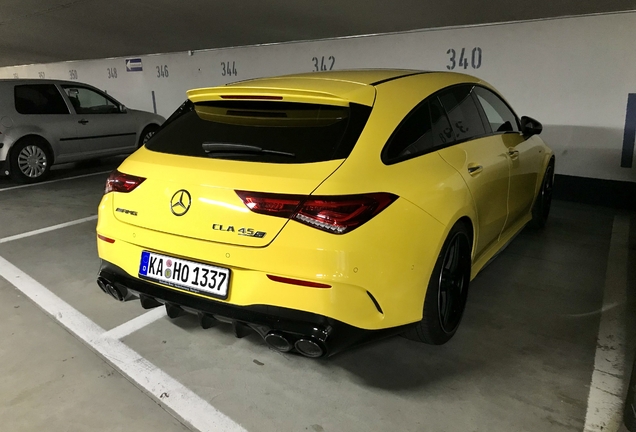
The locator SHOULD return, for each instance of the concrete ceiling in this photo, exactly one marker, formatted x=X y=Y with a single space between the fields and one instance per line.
x=43 y=31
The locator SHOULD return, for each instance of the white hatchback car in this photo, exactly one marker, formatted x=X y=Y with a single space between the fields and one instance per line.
x=46 y=122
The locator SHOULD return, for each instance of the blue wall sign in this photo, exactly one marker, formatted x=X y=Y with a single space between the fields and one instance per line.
x=134 y=65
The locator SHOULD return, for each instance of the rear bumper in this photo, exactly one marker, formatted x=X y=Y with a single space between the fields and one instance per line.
x=4 y=167
x=377 y=274
x=332 y=335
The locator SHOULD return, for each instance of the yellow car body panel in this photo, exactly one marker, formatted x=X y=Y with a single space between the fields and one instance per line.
x=389 y=259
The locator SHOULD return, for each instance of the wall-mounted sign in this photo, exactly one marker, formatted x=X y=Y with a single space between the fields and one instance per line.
x=134 y=65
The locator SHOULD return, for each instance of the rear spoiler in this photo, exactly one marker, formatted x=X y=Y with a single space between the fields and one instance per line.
x=363 y=95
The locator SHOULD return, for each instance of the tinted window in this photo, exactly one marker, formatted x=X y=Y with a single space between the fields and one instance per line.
x=87 y=101
x=500 y=117
x=442 y=131
x=462 y=112
x=414 y=135
x=424 y=128
x=260 y=131
x=39 y=99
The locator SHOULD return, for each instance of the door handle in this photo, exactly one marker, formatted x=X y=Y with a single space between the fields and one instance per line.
x=83 y=121
x=513 y=153
x=474 y=169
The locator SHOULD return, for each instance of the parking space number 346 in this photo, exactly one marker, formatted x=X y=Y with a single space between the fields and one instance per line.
x=162 y=71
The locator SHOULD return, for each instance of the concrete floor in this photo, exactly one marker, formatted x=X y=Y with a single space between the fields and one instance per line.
x=52 y=382
x=521 y=361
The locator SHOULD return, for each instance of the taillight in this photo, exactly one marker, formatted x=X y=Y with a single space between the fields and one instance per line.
x=334 y=214
x=271 y=204
x=342 y=214
x=120 y=182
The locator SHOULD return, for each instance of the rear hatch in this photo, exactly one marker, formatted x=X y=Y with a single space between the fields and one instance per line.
x=225 y=140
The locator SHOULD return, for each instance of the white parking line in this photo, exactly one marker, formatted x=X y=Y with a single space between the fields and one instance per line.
x=54 y=181
x=136 y=323
x=47 y=229
x=165 y=390
x=607 y=390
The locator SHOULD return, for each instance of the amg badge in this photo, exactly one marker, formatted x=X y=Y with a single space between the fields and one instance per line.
x=130 y=212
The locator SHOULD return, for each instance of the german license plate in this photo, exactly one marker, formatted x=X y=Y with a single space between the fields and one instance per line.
x=189 y=275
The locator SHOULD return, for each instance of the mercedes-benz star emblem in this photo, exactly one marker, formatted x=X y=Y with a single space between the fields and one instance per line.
x=180 y=202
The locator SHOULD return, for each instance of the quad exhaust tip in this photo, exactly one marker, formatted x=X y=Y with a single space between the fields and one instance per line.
x=118 y=293
x=309 y=348
x=101 y=283
x=278 y=342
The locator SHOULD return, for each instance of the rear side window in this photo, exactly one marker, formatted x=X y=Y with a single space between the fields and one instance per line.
x=424 y=129
x=500 y=117
x=87 y=101
x=262 y=131
x=39 y=99
x=462 y=112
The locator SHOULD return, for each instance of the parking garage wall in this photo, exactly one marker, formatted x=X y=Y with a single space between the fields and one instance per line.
x=574 y=74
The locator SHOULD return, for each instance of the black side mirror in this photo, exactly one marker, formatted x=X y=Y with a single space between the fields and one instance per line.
x=530 y=126
x=122 y=109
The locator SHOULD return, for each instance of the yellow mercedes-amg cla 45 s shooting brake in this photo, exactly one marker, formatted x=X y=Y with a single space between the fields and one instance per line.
x=324 y=210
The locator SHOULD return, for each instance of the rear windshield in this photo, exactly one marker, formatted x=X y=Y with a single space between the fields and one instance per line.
x=262 y=131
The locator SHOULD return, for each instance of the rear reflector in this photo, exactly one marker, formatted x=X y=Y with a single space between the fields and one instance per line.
x=251 y=97
x=335 y=214
x=120 y=182
x=106 y=239
x=297 y=282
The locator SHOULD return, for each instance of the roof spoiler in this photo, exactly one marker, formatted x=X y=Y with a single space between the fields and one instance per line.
x=248 y=93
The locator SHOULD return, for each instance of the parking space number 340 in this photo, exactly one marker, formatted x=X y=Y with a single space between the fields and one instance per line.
x=461 y=60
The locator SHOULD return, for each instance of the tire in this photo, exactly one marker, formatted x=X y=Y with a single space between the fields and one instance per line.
x=541 y=208
x=629 y=413
x=147 y=133
x=30 y=160
x=445 y=298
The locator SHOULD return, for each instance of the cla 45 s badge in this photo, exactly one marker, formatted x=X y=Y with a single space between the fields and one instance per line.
x=248 y=232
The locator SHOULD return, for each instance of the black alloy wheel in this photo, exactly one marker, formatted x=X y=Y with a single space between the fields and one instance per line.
x=447 y=290
x=451 y=294
x=541 y=209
